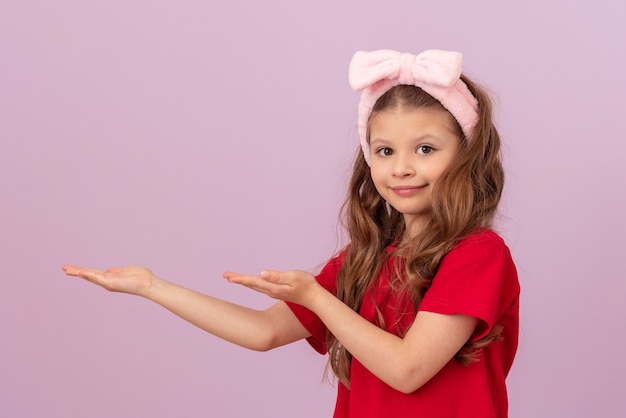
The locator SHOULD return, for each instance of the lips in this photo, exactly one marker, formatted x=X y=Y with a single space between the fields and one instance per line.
x=407 y=190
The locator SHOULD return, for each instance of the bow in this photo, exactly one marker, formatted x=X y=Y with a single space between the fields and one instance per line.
x=432 y=67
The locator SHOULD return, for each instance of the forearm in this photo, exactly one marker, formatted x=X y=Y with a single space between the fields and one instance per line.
x=381 y=352
x=378 y=350
x=403 y=363
x=240 y=325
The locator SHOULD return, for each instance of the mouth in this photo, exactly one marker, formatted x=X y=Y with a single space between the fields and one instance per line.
x=407 y=190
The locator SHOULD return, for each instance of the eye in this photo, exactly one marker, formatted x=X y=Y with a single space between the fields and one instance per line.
x=425 y=149
x=384 y=151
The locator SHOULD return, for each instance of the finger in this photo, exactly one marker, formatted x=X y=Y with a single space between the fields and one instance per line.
x=91 y=274
x=272 y=276
x=244 y=279
x=70 y=270
x=256 y=283
x=114 y=270
x=228 y=274
x=73 y=270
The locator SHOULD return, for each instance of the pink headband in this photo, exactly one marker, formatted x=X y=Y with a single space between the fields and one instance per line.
x=436 y=72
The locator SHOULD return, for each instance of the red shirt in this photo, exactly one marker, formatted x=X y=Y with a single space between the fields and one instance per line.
x=476 y=278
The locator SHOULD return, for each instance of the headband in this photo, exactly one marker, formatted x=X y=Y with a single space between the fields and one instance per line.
x=434 y=71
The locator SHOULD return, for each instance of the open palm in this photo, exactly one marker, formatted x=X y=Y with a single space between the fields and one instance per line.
x=135 y=280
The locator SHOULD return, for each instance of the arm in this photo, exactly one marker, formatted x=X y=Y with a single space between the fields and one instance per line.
x=403 y=363
x=249 y=328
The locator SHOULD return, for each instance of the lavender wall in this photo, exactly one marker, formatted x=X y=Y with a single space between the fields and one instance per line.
x=196 y=137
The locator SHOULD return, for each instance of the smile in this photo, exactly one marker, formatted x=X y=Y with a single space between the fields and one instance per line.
x=407 y=190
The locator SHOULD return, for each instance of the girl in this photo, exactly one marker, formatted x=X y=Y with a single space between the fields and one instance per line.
x=419 y=313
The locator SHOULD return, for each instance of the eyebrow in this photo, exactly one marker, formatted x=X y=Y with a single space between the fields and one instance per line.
x=425 y=137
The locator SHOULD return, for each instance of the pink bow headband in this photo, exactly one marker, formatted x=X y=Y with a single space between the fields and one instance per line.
x=436 y=72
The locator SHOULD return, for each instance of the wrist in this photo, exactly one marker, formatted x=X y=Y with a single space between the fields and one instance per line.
x=152 y=287
x=318 y=298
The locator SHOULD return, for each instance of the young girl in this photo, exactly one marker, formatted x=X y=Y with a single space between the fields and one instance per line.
x=419 y=313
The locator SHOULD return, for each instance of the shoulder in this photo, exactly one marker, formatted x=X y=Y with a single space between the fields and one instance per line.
x=476 y=278
x=483 y=237
x=480 y=257
x=480 y=244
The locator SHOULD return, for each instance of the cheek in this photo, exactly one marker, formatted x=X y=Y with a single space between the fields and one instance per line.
x=374 y=173
x=437 y=170
x=378 y=180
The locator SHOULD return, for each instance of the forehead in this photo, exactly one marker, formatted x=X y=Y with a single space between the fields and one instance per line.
x=403 y=121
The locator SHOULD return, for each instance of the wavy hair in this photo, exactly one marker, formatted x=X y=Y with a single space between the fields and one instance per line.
x=464 y=200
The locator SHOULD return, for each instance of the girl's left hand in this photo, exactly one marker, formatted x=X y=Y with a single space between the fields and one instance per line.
x=292 y=286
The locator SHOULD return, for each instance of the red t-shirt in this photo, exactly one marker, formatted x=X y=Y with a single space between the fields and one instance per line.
x=476 y=278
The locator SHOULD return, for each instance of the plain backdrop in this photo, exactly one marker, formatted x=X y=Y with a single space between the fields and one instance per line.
x=196 y=137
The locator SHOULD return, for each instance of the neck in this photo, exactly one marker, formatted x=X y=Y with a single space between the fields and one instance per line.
x=414 y=227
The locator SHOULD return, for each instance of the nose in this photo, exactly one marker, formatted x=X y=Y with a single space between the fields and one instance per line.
x=403 y=167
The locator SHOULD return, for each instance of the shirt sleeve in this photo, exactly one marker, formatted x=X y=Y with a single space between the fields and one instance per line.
x=476 y=278
x=327 y=278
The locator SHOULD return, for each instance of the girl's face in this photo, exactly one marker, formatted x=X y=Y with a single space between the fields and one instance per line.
x=411 y=148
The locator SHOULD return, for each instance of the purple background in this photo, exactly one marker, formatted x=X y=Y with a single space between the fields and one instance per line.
x=196 y=137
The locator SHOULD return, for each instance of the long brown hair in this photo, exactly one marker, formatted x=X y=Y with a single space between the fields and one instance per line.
x=464 y=200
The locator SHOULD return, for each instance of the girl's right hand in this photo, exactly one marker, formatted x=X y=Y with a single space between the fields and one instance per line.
x=135 y=280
